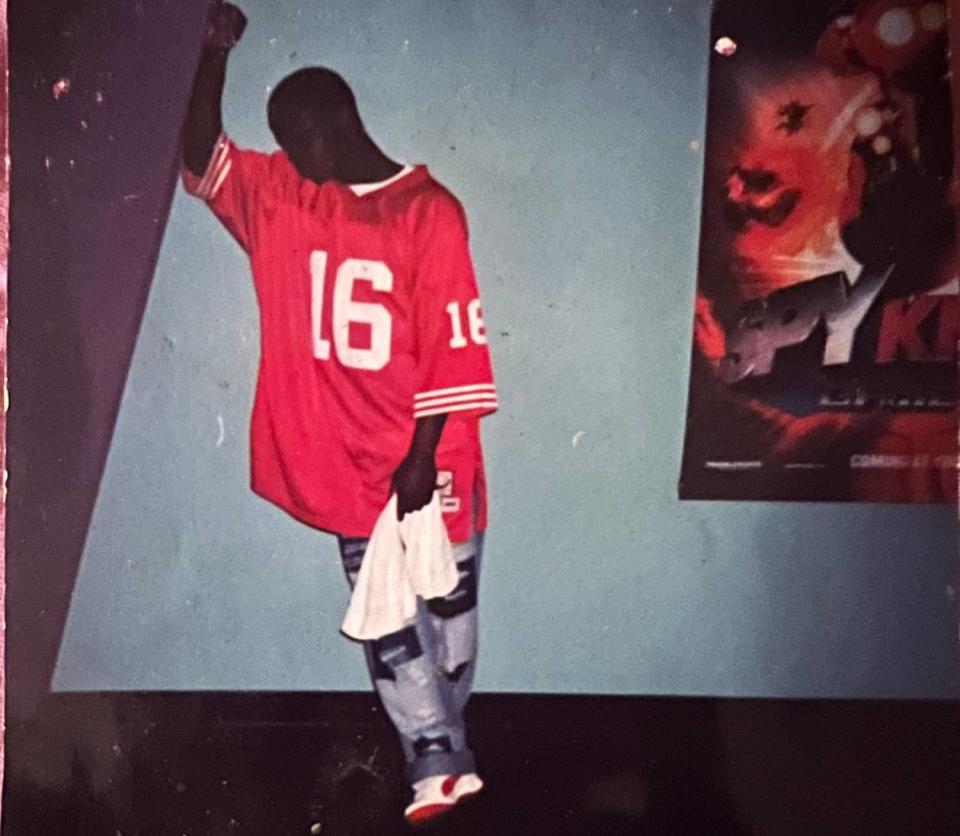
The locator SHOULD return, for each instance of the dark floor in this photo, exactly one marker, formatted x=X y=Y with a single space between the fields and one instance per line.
x=213 y=764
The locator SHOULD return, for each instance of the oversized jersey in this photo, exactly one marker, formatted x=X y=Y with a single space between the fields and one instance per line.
x=369 y=319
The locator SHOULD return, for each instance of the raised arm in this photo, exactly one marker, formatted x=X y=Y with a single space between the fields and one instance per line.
x=204 y=123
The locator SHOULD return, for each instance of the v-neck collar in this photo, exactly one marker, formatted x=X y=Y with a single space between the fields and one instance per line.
x=363 y=189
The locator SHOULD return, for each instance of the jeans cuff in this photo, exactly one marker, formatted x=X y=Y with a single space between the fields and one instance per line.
x=441 y=763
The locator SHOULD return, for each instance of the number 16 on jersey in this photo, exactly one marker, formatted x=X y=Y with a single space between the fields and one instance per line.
x=376 y=316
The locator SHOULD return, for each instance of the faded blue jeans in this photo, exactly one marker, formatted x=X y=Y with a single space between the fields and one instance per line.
x=424 y=672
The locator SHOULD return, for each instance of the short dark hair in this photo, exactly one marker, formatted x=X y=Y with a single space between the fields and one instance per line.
x=315 y=90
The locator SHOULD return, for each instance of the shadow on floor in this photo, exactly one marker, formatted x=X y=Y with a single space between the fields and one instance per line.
x=272 y=765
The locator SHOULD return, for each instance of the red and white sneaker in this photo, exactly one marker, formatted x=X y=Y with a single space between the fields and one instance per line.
x=439 y=794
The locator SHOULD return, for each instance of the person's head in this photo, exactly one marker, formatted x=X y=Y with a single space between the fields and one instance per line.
x=313 y=116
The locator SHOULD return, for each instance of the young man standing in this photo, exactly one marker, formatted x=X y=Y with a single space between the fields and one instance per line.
x=374 y=368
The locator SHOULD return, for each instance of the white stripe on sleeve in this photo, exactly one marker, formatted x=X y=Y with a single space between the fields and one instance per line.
x=480 y=396
x=475 y=388
x=217 y=170
x=486 y=405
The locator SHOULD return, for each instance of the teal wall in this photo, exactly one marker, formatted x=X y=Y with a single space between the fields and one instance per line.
x=571 y=131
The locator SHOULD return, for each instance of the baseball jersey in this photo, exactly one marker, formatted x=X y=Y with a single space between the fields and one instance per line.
x=369 y=319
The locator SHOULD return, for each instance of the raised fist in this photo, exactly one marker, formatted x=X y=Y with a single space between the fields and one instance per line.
x=225 y=25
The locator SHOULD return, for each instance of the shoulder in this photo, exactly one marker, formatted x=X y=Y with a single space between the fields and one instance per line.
x=265 y=165
x=433 y=206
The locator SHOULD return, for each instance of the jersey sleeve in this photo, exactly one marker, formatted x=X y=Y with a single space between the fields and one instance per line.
x=230 y=186
x=454 y=371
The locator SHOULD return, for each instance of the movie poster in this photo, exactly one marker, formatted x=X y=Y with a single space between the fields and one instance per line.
x=827 y=318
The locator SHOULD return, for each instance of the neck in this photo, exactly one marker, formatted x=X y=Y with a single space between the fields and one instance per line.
x=365 y=163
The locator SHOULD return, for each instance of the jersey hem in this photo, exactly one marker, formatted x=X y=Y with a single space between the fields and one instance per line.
x=319 y=523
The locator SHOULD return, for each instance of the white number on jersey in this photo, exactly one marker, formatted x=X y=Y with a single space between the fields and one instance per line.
x=318 y=277
x=345 y=311
x=475 y=323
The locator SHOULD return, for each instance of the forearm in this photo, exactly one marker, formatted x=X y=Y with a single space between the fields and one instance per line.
x=416 y=478
x=426 y=437
x=204 y=122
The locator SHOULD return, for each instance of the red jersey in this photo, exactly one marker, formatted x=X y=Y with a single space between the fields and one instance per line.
x=369 y=319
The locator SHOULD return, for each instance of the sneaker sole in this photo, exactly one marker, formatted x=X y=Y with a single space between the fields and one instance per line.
x=432 y=812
